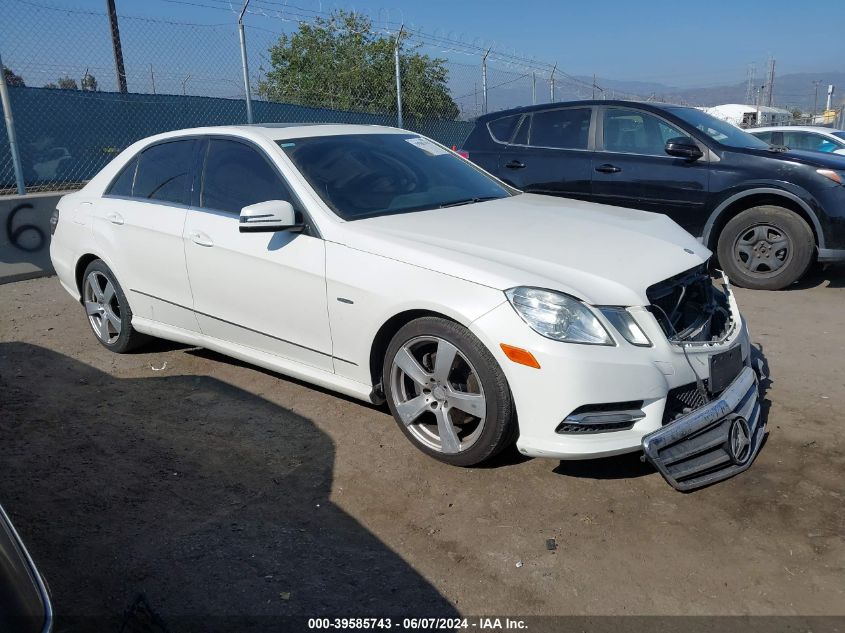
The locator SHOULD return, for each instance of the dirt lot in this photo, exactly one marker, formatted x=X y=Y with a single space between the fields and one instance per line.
x=211 y=487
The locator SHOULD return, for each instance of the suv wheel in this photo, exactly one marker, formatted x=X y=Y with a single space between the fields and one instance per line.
x=766 y=248
x=447 y=392
x=108 y=310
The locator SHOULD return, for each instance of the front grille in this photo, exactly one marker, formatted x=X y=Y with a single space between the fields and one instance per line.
x=689 y=307
x=695 y=450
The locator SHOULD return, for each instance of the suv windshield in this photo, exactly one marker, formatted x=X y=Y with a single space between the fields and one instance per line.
x=839 y=134
x=720 y=131
x=365 y=175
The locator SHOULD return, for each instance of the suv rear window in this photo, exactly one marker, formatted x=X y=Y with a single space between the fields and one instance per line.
x=502 y=129
x=567 y=128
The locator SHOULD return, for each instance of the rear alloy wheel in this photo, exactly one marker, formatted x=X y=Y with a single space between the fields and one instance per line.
x=447 y=392
x=766 y=248
x=108 y=310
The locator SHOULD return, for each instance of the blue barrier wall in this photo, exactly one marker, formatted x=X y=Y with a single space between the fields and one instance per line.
x=66 y=136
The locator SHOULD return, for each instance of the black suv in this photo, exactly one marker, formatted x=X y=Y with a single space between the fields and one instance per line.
x=766 y=211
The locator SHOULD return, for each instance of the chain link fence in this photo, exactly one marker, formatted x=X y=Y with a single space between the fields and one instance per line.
x=70 y=118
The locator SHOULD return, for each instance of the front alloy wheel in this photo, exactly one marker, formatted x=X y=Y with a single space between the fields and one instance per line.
x=438 y=395
x=447 y=392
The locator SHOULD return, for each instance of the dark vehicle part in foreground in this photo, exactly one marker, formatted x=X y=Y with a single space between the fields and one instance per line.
x=24 y=602
x=768 y=212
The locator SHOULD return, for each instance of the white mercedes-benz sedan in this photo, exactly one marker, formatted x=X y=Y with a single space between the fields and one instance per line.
x=378 y=263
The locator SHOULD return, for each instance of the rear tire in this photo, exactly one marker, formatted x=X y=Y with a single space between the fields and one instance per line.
x=459 y=411
x=766 y=248
x=107 y=309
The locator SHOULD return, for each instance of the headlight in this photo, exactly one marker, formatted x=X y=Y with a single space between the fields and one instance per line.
x=558 y=316
x=624 y=322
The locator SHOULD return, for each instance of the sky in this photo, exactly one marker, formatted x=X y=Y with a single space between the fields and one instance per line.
x=679 y=43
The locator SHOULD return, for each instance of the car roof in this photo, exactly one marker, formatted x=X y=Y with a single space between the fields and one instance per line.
x=282 y=131
x=650 y=105
x=794 y=128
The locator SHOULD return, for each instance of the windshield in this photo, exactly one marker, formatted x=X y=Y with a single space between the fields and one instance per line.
x=839 y=134
x=720 y=131
x=365 y=175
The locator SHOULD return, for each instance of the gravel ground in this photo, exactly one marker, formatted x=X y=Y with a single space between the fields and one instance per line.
x=185 y=483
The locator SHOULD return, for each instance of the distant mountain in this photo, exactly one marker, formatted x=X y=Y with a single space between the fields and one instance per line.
x=791 y=91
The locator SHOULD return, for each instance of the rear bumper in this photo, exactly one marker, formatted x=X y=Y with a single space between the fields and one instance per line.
x=712 y=443
x=831 y=255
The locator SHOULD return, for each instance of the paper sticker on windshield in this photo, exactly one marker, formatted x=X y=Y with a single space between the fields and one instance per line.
x=433 y=149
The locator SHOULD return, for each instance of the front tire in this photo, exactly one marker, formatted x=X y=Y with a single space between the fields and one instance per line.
x=766 y=248
x=447 y=392
x=108 y=309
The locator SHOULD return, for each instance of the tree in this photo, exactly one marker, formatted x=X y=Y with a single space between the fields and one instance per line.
x=67 y=83
x=340 y=63
x=12 y=78
x=796 y=113
x=89 y=82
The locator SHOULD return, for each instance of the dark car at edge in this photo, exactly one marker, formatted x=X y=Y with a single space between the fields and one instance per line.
x=767 y=212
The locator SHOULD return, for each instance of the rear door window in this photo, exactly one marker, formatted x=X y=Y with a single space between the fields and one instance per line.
x=567 y=128
x=164 y=172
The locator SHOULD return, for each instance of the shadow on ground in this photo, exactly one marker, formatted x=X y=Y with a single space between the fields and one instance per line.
x=821 y=276
x=183 y=503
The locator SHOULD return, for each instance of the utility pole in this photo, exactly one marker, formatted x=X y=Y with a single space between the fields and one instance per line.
x=552 y=84
x=816 y=83
x=10 y=132
x=396 y=46
x=484 y=82
x=533 y=87
x=118 y=51
x=248 y=96
x=152 y=79
x=770 y=86
x=594 y=86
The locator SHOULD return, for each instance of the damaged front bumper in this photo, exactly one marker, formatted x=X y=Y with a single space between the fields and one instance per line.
x=714 y=442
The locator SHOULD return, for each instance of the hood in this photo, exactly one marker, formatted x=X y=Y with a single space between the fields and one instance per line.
x=601 y=254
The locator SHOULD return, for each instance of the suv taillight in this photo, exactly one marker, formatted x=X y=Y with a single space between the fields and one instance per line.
x=54 y=221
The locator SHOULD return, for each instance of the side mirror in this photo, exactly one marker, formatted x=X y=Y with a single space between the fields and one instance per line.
x=683 y=147
x=268 y=217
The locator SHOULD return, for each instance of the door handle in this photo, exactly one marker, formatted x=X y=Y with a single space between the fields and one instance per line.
x=515 y=164
x=115 y=218
x=608 y=169
x=198 y=237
